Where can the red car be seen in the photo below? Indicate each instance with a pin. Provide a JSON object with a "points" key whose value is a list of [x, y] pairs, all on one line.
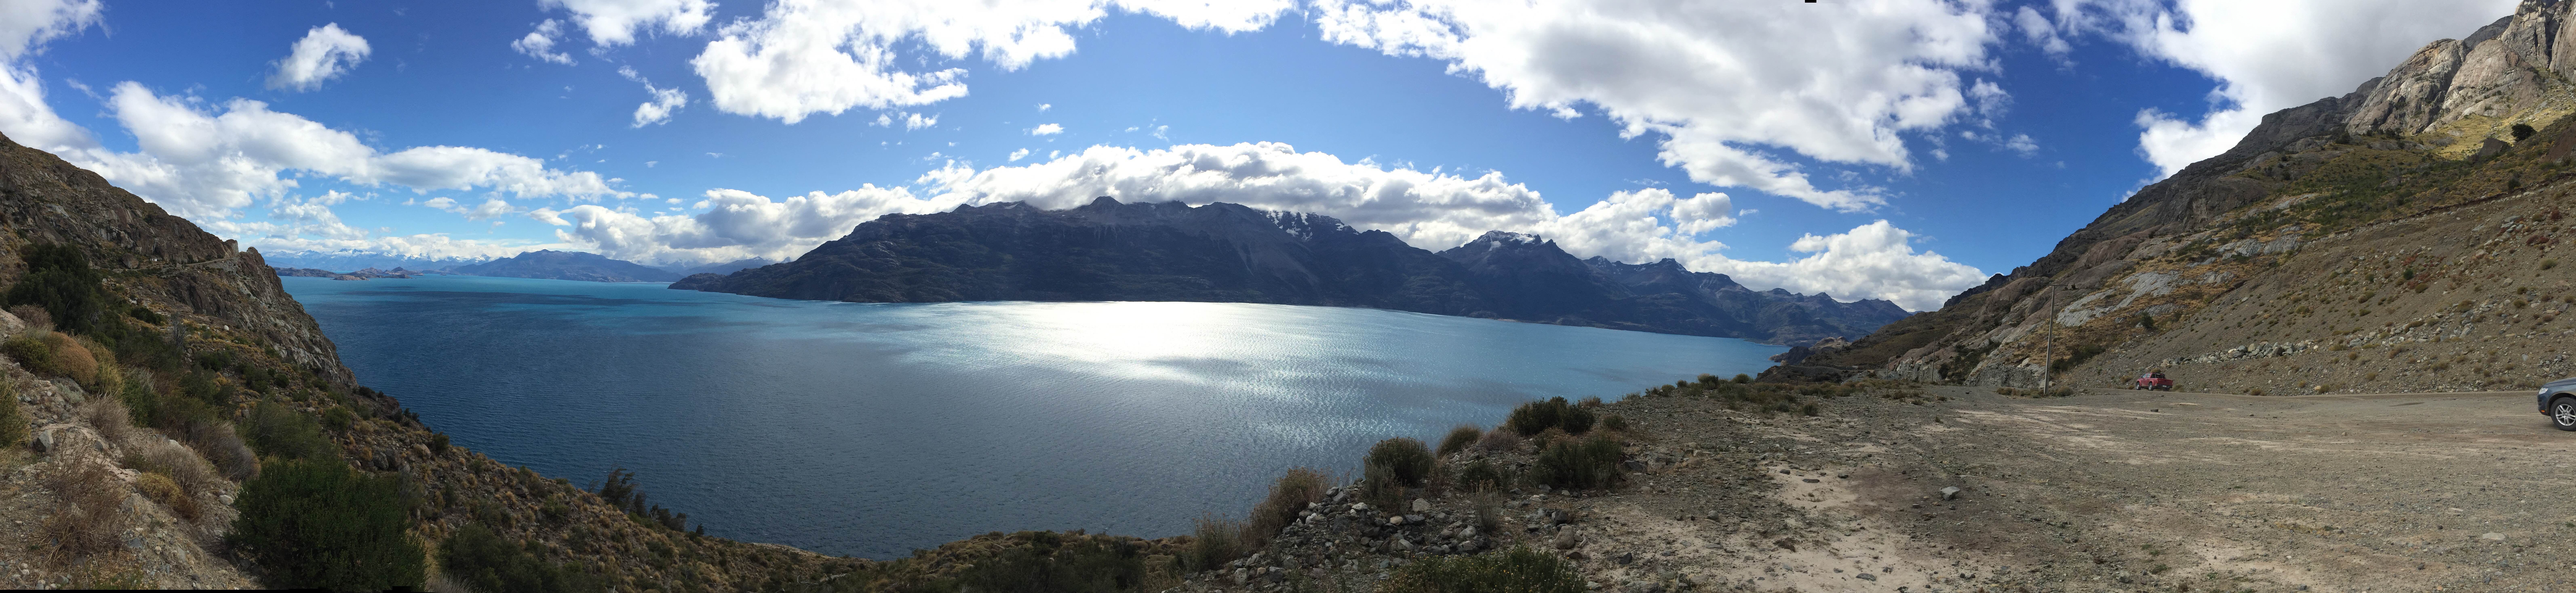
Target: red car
{"points": [[2154, 381]]}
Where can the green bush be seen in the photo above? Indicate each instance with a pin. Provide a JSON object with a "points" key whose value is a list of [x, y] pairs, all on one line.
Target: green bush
{"points": [[1518, 570], [1579, 464], [318, 523], [1613, 422], [275, 430], [1460, 438], [2523, 132], [1741, 378], [339, 419], [31, 351], [60, 279], [1406, 460], [1481, 475], [478, 558], [1538, 416]]}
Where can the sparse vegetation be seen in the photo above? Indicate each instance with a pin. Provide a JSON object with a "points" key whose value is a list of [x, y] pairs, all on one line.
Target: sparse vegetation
{"points": [[1532, 418], [1460, 438], [275, 430], [1518, 570], [1580, 464], [1404, 460], [1294, 490], [1215, 542], [476, 557]]}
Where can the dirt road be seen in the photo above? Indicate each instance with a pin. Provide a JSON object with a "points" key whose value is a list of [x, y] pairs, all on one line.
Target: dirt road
{"points": [[2103, 491]]}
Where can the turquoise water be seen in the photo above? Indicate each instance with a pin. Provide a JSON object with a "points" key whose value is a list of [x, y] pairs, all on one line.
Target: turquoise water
{"points": [[873, 429]]}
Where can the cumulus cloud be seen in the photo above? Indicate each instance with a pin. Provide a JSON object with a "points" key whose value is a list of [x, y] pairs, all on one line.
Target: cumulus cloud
{"points": [[665, 101], [540, 44], [2261, 64], [1016, 155], [324, 53], [1046, 129], [1875, 260], [1716, 80], [734, 225], [26, 25], [615, 22], [803, 57], [910, 121]]}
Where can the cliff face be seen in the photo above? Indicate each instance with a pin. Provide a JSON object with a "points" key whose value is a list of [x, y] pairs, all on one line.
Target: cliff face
{"points": [[1229, 253], [2408, 180]]}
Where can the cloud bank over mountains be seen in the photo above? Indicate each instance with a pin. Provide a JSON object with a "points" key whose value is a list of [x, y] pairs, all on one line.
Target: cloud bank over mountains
{"points": [[1802, 101]]}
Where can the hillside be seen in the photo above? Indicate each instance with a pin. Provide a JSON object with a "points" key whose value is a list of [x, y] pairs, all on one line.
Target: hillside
{"points": [[2401, 237], [567, 265], [1108, 251]]}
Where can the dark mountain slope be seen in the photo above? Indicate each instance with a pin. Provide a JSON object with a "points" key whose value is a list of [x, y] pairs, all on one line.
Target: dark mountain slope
{"points": [[567, 265], [1108, 251]]}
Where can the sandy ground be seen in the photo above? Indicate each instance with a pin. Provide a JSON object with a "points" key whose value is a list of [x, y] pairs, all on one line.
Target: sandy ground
{"points": [[2104, 491]]}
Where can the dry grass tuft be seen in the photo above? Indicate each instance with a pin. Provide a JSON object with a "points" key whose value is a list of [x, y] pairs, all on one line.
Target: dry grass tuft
{"points": [[162, 489], [1459, 439], [1499, 441], [1294, 490], [108, 416], [88, 519]]}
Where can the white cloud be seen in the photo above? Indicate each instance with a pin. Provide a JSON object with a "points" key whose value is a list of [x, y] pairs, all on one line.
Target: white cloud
{"points": [[540, 44], [735, 224], [1046, 129], [25, 25], [664, 103], [1016, 155], [915, 121], [2267, 56], [1042, 107], [803, 57], [2022, 143], [615, 22], [1875, 260], [489, 209], [1726, 84], [324, 53]]}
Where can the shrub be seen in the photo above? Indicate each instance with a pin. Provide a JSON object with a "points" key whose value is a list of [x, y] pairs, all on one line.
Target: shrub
{"points": [[1595, 401], [476, 557], [72, 360], [275, 430], [1499, 440], [1614, 422], [1459, 439], [1215, 542], [1579, 464], [108, 417], [60, 279], [1294, 490], [183, 466], [318, 523], [31, 351], [1518, 570], [162, 489], [1481, 475], [1406, 460], [1048, 562], [1741, 378], [2523, 132], [87, 517], [1807, 410], [339, 419], [13, 422], [1531, 418], [38, 321]]}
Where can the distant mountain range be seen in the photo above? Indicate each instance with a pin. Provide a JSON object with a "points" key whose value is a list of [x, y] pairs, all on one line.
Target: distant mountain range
{"points": [[359, 260], [1109, 251], [567, 265], [722, 268]]}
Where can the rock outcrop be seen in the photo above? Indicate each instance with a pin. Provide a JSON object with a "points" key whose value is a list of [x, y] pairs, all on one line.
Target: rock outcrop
{"points": [[1229, 253]]}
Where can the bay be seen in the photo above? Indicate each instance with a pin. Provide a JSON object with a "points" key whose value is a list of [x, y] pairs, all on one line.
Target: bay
{"points": [[874, 429]]}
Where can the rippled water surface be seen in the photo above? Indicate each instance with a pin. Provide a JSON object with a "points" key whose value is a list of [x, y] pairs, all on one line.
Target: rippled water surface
{"points": [[874, 429]]}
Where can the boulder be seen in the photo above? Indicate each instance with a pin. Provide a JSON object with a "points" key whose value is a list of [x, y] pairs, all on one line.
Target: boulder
{"points": [[44, 441], [1421, 506]]}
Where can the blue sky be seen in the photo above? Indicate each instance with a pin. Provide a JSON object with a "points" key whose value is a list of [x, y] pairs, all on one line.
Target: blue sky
{"points": [[1877, 148]]}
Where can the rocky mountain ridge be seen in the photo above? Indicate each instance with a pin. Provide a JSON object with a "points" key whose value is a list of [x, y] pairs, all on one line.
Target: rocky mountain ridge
{"points": [[1223, 252], [2398, 221], [566, 265]]}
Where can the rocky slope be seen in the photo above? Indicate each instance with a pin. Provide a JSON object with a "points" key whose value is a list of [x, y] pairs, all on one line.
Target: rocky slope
{"points": [[2396, 238], [1229, 253], [567, 265]]}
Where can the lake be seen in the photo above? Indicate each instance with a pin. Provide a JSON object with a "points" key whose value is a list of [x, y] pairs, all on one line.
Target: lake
{"points": [[873, 429]]}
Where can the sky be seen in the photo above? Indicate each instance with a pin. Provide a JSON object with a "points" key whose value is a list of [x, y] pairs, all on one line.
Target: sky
{"points": [[1896, 149]]}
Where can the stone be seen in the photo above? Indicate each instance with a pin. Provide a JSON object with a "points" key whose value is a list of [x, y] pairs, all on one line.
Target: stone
{"points": [[2492, 536], [1466, 532], [1950, 493], [1868, 577], [45, 441], [1395, 520], [1421, 506], [1565, 540], [1414, 519]]}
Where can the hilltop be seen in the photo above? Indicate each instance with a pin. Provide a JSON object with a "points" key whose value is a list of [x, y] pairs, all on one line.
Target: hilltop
{"points": [[567, 265], [1220, 252], [2402, 237]]}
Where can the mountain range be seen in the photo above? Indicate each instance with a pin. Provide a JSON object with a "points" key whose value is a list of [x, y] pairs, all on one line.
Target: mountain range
{"points": [[567, 265], [1220, 252]]}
